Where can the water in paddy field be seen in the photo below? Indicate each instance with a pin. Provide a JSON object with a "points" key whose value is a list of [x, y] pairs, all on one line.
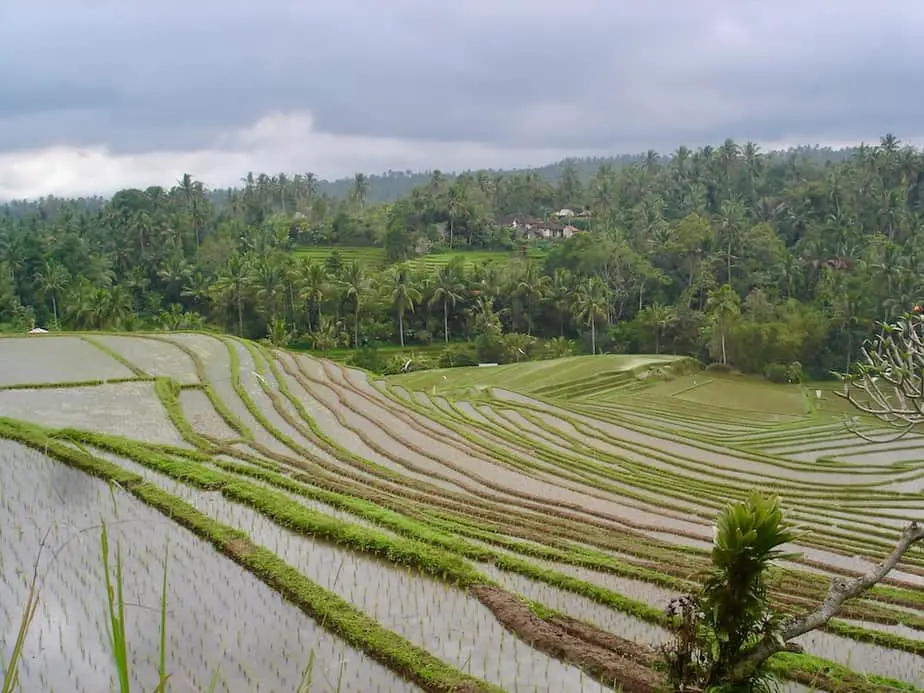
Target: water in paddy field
{"points": [[219, 616]]}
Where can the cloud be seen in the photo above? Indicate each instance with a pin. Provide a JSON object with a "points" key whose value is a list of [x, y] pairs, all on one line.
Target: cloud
{"points": [[278, 142], [143, 89]]}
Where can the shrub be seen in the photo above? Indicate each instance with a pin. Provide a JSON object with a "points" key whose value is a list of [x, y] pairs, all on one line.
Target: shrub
{"points": [[517, 347], [368, 358], [782, 373], [719, 368], [559, 347], [407, 363], [456, 355]]}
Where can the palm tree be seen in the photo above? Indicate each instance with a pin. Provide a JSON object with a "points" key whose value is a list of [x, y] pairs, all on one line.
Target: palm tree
{"points": [[730, 222], [532, 285], [404, 295], [722, 306], [360, 189], [560, 293], [51, 281], [656, 318], [356, 284], [591, 305], [231, 286], [447, 289], [314, 288], [267, 281]]}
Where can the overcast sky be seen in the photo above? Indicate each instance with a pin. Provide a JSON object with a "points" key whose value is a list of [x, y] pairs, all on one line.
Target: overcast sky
{"points": [[96, 95]]}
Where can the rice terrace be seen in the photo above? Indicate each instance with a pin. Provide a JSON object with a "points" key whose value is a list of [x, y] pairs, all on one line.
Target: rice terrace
{"points": [[272, 521]]}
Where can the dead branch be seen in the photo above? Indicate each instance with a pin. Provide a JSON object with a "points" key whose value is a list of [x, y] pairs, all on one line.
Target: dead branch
{"points": [[888, 383], [840, 591]]}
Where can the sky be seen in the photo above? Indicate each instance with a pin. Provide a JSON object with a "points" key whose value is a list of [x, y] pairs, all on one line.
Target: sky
{"points": [[98, 95]]}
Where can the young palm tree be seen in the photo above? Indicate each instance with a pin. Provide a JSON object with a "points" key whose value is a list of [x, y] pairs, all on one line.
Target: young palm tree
{"points": [[731, 614], [447, 289], [591, 305], [51, 280], [404, 295]]}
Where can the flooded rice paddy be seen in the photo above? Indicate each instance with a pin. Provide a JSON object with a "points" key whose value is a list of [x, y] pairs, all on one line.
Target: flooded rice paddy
{"points": [[603, 471]]}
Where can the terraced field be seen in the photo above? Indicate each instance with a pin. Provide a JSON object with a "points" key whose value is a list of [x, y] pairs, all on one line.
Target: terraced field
{"points": [[374, 258], [513, 528]]}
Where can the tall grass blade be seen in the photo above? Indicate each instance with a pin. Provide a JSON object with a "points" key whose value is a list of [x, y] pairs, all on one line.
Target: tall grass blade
{"points": [[305, 685], [162, 668], [115, 602], [11, 668]]}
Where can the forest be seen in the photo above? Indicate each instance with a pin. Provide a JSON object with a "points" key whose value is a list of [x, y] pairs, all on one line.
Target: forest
{"points": [[777, 263]]}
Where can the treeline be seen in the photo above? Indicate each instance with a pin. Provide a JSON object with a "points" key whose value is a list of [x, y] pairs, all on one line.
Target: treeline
{"points": [[773, 263]]}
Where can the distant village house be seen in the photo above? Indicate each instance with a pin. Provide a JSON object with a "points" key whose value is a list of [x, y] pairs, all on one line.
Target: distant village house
{"points": [[539, 229]]}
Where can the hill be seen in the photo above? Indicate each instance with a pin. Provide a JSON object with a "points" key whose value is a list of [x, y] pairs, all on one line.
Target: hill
{"points": [[404, 527]]}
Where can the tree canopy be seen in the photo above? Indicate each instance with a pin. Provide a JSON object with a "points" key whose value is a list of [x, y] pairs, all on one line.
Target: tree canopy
{"points": [[757, 261]]}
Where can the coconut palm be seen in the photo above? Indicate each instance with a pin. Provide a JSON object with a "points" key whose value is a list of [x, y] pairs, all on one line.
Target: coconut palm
{"points": [[447, 290], [356, 285], [657, 318], [722, 306], [560, 291], [230, 287], [404, 294], [51, 280], [315, 286], [591, 305], [531, 285], [267, 282]]}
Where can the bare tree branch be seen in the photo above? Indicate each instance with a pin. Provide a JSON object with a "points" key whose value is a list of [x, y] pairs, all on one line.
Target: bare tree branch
{"points": [[888, 383], [840, 591]]}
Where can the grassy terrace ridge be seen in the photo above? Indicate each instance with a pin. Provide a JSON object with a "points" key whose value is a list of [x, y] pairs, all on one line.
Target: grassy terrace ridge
{"points": [[373, 257], [540, 377], [402, 470]]}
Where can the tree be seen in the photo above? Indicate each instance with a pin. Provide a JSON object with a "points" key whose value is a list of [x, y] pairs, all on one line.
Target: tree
{"points": [[590, 306], [560, 290], [356, 285], [656, 318], [315, 283], [404, 295], [725, 632], [888, 381], [722, 307], [731, 612], [230, 286], [531, 285], [447, 290], [51, 280]]}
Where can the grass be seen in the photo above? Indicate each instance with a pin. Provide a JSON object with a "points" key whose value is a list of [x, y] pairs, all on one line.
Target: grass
{"points": [[373, 258], [595, 471], [550, 378]]}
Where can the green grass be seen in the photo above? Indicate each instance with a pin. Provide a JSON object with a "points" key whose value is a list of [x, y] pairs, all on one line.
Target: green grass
{"points": [[373, 258], [548, 378], [369, 257]]}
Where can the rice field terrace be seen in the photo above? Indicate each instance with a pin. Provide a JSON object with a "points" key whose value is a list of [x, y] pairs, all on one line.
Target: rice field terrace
{"points": [[374, 258], [515, 528]]}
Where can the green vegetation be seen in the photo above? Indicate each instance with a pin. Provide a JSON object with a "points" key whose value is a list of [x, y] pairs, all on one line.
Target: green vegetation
{"points": [[770, 264], [433, 518]]}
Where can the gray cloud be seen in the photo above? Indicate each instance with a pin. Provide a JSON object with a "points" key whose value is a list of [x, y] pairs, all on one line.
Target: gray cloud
{"points": [[138, 77]]}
